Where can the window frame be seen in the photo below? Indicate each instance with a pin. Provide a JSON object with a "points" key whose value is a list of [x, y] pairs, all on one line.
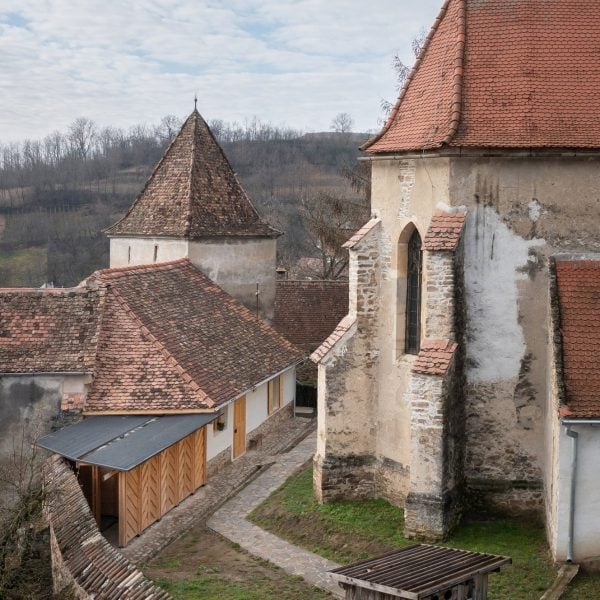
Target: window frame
{"points": [[271, 408]]}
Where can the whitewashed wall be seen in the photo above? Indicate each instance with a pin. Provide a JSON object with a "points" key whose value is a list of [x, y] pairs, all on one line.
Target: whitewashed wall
{"points": [[587, 495], [256, 413], [140, 251]]}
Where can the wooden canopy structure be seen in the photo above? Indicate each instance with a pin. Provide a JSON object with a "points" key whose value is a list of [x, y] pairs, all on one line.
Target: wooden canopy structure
{"points": [[133, 469], [420, 572]]}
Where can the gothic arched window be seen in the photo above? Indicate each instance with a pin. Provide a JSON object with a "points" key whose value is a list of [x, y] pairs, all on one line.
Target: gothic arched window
{"points": [[412, 338]]}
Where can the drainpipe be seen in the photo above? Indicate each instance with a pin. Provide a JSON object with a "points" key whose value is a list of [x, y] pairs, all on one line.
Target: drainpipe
{"points": [[574, 436]]}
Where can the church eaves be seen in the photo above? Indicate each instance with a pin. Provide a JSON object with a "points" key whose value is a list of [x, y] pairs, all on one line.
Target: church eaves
{"points": [[501, 74], [193, 193]]}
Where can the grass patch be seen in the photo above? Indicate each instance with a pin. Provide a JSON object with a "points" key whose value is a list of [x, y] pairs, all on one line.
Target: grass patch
{"points": [[23, 267], [585, 585], [352, 530], [210, 584]]}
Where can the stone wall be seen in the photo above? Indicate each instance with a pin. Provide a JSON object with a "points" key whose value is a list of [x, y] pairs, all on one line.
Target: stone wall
{"points": [[30, 406], [343, 465]]}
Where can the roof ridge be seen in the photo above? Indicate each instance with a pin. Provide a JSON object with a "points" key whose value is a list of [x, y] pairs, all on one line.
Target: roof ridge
{"points": [[388, 123], [149, 180], [169, 358], [188, 219], [457, 78], [114, 272]]}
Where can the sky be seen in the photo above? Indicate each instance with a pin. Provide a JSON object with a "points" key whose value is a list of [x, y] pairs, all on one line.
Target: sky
{"points": [[124, 62]]}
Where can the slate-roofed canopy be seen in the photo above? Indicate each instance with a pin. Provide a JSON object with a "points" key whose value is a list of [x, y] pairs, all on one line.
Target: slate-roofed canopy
{"points": [[193, 193]]}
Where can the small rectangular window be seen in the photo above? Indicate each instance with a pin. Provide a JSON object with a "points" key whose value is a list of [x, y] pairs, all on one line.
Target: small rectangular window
{"points": [[129, 255], [220, 423], [274, 394], [155, 252]]}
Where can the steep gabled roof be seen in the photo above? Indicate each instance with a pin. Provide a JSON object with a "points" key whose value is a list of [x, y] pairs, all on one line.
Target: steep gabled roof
{"points": [[172, 339], [502, 73], [193, 193], [578, 283], [49, 330]]}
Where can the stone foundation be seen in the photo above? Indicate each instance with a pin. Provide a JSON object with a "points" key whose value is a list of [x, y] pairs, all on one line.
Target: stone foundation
{"points": [[510, 497], [430, 517], [343, 478]]}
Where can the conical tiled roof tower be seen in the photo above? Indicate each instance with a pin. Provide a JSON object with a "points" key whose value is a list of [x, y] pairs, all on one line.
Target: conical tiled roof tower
{"points": [[193, 206], [193, 193]]}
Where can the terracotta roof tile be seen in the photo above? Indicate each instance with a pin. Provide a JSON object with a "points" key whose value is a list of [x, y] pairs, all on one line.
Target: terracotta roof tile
{"points": [[502, 73], [361, 233], [49, 330], [193, 193], [435, 357], [173, 339], [327, 346], [444, 231], [579, 302], [307, 312], [95, 565]]}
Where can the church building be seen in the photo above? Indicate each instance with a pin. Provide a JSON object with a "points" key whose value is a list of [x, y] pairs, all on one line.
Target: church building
{"points": [[468, 361]]}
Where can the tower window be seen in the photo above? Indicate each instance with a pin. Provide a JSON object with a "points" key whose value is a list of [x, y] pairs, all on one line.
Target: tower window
{"points": [[128, 254], [413, 294], [155, 252]]}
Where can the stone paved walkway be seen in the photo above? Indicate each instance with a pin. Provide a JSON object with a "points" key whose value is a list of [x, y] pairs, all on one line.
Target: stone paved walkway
{"points": [[219, 489], [230, 521]]}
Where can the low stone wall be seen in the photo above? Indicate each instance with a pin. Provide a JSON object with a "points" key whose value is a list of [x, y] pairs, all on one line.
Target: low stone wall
{"points": [[83, 562]]}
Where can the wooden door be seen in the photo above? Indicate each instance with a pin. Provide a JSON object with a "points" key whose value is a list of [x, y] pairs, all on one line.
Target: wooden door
{"points": [[169, 478], [239, 427], [185, 459], [150, 491]]}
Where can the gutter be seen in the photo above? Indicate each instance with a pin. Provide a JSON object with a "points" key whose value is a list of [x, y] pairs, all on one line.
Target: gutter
{"points": [[574, 435], [44, 373]]}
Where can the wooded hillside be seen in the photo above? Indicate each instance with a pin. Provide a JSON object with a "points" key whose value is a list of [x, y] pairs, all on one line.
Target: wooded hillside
{"points": [[59, 193]]}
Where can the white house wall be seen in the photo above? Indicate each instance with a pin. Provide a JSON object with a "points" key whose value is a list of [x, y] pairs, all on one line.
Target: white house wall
{"points": [[587, 495], [256, 413]]}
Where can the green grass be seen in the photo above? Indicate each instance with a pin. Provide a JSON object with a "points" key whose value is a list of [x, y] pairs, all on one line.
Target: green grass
{"points": [[585, 585], [25, 267], [208, 584], [351, 530]]}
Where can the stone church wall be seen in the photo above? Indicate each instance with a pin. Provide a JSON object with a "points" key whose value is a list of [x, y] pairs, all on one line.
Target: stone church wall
{"points": [[521, 211]]}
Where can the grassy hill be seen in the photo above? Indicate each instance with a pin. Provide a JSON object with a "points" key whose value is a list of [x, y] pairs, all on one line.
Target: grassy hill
{"points": [[53, 207]]}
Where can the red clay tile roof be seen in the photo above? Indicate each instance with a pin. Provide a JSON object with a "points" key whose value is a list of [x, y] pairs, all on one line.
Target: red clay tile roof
{"points": [[307, 312], [435, 357], [50, 330], [361, 233], [579, 304], [327, 346], [502, 73], [444, 231], [95, 565], [193, 193], [171, 339]]}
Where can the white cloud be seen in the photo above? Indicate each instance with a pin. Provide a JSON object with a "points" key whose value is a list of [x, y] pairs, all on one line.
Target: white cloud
{"points": [[122, 62]]}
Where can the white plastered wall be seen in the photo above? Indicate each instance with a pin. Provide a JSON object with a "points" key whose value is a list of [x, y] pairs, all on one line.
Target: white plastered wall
{"points": [[586, 544], [256, 413], [140, 251]]}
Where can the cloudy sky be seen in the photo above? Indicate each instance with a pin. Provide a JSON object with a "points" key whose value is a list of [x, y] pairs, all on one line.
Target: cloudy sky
{"points": [[121, 62]]}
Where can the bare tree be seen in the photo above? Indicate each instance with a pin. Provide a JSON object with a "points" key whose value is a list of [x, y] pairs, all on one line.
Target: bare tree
{"points": [[342, 123], [168, 128], [330, 220], [82, 135], [402, 71]]}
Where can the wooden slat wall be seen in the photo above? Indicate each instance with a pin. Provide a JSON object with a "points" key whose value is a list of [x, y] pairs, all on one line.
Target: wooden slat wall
{"points": [[169, 484], [199, 438], [153, 488]]}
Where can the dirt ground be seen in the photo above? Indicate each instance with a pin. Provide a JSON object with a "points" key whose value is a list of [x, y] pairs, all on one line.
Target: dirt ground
{"points": [[204, 562]]}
